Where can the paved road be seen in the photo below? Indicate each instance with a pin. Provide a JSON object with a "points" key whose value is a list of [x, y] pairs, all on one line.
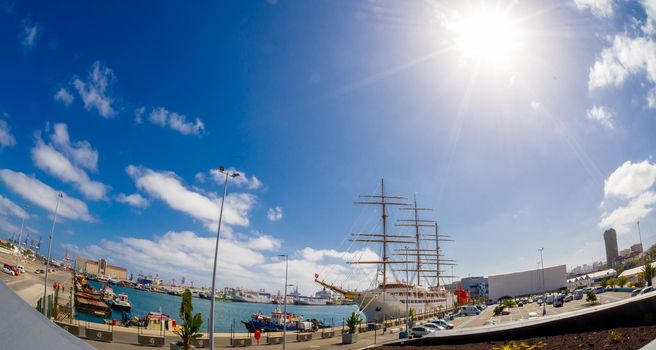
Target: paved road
{"points": [[521, 313], [29, 286]]}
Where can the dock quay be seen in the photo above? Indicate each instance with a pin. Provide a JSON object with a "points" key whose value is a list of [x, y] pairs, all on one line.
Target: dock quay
{"points": [[104, 336]]}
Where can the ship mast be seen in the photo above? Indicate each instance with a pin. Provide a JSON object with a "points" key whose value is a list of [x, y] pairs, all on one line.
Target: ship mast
{"points": [[383, 200], [425, 256], [417, 223]]}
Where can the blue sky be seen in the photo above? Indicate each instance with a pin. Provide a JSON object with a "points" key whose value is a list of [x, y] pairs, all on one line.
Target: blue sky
{"points": [[524, 125]]}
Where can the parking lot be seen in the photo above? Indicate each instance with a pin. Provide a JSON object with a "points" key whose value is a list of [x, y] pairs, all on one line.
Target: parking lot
{"points": [[521, 313]]}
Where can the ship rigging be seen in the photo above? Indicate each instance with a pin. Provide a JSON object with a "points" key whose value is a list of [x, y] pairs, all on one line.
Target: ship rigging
{"points": [[422, 250]]}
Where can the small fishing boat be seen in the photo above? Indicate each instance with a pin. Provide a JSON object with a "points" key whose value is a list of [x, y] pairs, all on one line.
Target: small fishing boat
{"points": [[277, 321], [107, 294], [121, 303]]}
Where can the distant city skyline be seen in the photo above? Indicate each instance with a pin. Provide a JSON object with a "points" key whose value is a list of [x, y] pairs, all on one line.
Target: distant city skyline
{"points": [[524, 125]]}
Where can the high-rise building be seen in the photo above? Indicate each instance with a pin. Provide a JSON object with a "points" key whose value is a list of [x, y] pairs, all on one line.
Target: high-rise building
{"points": [[610, 238]]}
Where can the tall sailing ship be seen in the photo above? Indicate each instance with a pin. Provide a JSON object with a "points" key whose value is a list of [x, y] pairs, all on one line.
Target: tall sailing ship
{"points": [[416, 256]]}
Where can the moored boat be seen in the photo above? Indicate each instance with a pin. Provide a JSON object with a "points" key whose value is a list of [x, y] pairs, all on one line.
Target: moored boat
{"points": [[121, 303]]}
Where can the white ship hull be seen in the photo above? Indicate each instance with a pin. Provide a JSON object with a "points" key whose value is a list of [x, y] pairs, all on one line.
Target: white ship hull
{"points": [[392, 303]]}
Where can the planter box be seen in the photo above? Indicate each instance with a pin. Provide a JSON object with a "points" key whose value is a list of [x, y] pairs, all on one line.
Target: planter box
{"points": [[201, 342], [240, 342], [150, 340], [274, 340], [349, 338], [175, 346], [325, 335], [75, 330], [304, 337], [99, 335]]}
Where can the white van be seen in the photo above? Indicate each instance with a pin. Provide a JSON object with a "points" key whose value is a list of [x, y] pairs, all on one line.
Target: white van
{"points": [[21, 268], [469, 310]]}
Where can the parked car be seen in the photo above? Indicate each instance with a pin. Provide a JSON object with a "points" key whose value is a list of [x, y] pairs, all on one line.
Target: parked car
{"points": [[532, 315], [636, 292], [469, 310], [559, 301], [8, 271], [20, 268], [646, 290], [578, 294], [520, 303], [12, 268], [550, 299], [39, 271], [418, 332], [540, 302], [443, 323], [568, 298], [505, 311], [599, 290], [434, 326]]}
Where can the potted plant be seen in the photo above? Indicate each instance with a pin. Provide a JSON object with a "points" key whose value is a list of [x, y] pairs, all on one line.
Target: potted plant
{"points": [[411, 314], [352, 322], [189, 330]]}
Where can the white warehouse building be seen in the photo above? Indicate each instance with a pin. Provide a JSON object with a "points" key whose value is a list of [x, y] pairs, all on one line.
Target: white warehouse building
{"points": [[526, 282]]}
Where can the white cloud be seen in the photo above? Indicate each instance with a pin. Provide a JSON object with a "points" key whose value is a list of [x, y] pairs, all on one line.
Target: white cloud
{"points": [[178, 122], [64, 96], [243, 180], [624, 217], [241, 262], [49, 159], [168, 187], [274, 214], [649, 27], [138, 114], [30, 34], [651, 98], [631, 185], [95, 91], [135, 200], [6, 138], [44, 196], [627, 56], [80, 152], [602, 115], [7, 207], [599, 8], [630, 180], [264, 242], [535, 105]]}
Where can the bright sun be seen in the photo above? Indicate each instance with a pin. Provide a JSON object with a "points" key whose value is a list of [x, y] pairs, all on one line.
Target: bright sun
{"points": [[486, 37]]}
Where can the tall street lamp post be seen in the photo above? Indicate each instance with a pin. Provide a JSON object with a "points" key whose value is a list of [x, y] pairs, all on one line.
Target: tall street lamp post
{"points": [[640, 236], [45, 279], [216, 252], [284, 311], [544, 292]]}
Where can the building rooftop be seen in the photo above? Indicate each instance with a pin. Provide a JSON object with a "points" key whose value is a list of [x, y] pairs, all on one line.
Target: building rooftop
{"points": [[634, 271]]}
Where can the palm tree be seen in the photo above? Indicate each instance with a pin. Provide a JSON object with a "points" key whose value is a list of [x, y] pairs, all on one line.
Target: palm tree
{"points": [[648, 272], [191, 327], [622, 281]]}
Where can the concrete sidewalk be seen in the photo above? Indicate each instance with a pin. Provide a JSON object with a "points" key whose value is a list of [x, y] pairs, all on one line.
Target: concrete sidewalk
{"points": [[335, 343]]}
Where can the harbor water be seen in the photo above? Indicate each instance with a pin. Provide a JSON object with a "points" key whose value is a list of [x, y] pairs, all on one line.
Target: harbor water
{"points": [[227, 313]]}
